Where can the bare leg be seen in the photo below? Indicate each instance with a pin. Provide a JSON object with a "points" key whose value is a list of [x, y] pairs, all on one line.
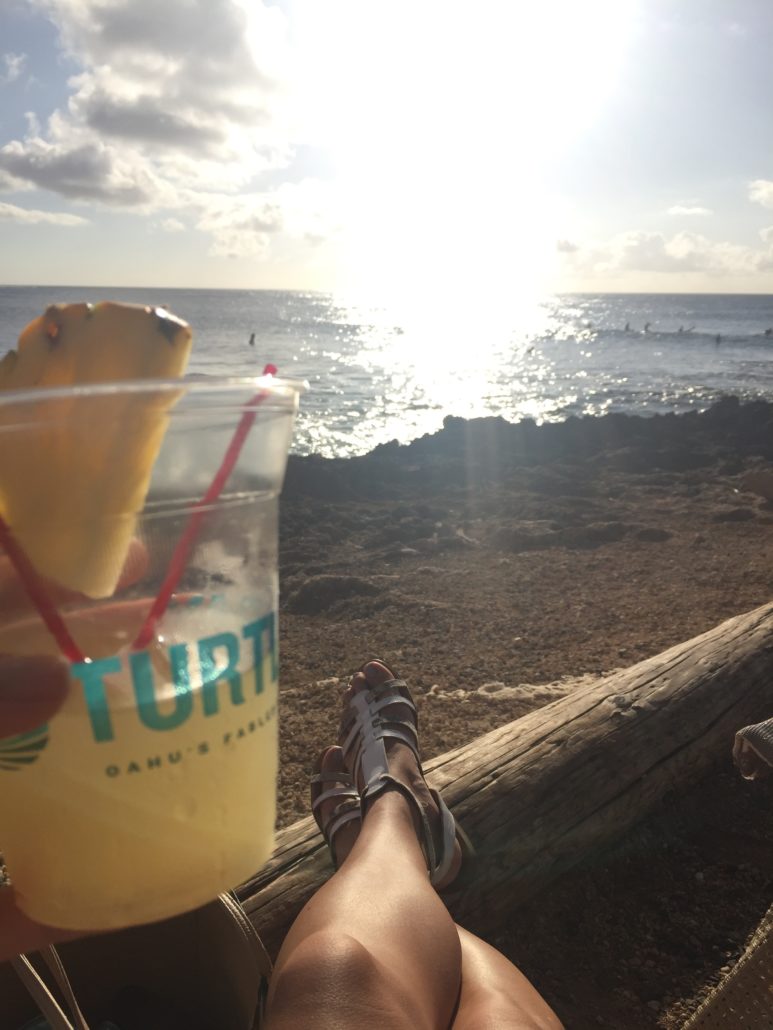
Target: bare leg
{"points": [[375, 945], [495, 994]]}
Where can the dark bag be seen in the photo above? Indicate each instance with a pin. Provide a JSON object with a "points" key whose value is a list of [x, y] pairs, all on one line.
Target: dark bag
{"points": [[204, 970]]}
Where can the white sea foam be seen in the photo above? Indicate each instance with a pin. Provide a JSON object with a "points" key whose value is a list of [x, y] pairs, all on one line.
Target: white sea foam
{"points": [[497, 692]]}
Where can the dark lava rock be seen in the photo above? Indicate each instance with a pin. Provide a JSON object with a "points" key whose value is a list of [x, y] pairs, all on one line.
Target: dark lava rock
{"points": [[594, 535], [526, 536], [538, 536], [735, 515], [653, 534], [318, 593]]}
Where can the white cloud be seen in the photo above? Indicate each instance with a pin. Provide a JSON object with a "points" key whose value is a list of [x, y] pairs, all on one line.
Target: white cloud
{"points": [[85, 170], [761, 192], [638, 251], [27, 216], [240, 226], [179, 104], [196, 76], [14, 65], [10, 185], [172, 225], [689, 210]]}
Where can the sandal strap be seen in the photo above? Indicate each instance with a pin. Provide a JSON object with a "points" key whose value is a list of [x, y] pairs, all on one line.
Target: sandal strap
{"points": [[383, 694], [364, 731], [348, 808], [333, 777], [346, 812], [342, 814], [448, 824], [344, 793], [375, 704], [369, 751]]}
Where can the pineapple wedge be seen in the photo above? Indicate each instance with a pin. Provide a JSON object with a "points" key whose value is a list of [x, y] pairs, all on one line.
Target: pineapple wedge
{"points": [[74, 471]]}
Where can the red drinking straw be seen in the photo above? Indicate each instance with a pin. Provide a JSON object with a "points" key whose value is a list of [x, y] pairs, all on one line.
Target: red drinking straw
{"points": [[37, 592], [182, 551], [39, 596]]}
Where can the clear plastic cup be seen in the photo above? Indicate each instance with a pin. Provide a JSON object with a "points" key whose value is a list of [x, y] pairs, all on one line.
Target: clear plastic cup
{"points": [[153, 787]]}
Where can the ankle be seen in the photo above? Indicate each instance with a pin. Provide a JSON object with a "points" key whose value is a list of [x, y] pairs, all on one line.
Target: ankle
{"points": [[391, 805]]}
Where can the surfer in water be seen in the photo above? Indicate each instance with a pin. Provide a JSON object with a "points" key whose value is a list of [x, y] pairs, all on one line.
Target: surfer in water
{"points": [[252, 339]]}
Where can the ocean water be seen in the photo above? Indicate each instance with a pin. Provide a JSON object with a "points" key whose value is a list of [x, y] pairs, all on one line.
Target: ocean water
{"points": [[378, 373]]}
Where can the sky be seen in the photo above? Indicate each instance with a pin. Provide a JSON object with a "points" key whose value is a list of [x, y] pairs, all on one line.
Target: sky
{"points": [[400, 149]]}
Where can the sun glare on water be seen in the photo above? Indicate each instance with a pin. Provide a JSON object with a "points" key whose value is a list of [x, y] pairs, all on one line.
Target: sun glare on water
{"points": [[442, 120]]}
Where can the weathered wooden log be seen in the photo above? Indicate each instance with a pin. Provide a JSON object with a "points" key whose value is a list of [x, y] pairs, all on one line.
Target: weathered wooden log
{"points": [[540, 794]]}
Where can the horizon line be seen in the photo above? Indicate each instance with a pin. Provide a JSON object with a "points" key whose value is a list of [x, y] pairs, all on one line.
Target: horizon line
{"points": [[341, 292]]}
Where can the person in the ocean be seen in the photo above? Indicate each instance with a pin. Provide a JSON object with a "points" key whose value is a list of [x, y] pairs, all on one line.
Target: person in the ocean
{"points": [[252, 339], [627, 327], [647, 326], [718, 339]]}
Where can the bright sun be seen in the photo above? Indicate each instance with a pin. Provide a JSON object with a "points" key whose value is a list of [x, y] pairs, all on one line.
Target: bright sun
{"points": [[441, 119]]}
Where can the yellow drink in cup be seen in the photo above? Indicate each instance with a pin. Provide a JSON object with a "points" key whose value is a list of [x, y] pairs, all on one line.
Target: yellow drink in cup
{"points": [[154, 787]]}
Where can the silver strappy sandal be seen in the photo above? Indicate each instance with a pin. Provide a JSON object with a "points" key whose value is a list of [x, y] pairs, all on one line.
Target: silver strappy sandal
{"points": [[344, 790], [362, 734]]}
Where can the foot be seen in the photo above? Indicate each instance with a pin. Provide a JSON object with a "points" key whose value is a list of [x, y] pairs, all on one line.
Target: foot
{"points": [[339, 828], [403, 767]]}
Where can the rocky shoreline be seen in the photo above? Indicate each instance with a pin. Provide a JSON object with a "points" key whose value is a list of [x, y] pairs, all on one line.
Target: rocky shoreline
{"points": [[494, 564]]}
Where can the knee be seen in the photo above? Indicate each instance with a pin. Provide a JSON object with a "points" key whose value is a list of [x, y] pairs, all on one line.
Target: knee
{"points": [[326, 954], [326, 972]]}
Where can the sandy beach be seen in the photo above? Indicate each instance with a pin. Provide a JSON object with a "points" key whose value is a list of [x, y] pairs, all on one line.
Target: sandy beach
{"points": [[496, 566]]}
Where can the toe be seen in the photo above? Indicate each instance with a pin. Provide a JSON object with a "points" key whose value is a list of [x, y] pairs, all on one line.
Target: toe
{"points": [[370, 675], [357, 682], [375, 672]]}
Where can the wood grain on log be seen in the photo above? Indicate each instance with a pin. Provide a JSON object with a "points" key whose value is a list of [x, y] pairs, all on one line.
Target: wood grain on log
{"points": [[542, 793]]}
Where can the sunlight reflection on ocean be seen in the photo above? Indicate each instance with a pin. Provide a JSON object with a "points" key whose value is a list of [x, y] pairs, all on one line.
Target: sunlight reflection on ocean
{"points": [[379, 374]]}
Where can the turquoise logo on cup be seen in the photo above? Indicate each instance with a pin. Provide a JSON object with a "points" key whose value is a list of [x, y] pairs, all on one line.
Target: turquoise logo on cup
{"points": [[23, 749], [213, 660]]}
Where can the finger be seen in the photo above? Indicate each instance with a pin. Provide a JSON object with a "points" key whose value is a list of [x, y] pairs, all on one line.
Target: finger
{"points": [[18, 934], [31, 691], [14, 599]]}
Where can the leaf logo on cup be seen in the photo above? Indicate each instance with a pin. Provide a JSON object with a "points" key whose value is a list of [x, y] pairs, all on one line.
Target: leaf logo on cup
{"points": [[24, 749]]}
